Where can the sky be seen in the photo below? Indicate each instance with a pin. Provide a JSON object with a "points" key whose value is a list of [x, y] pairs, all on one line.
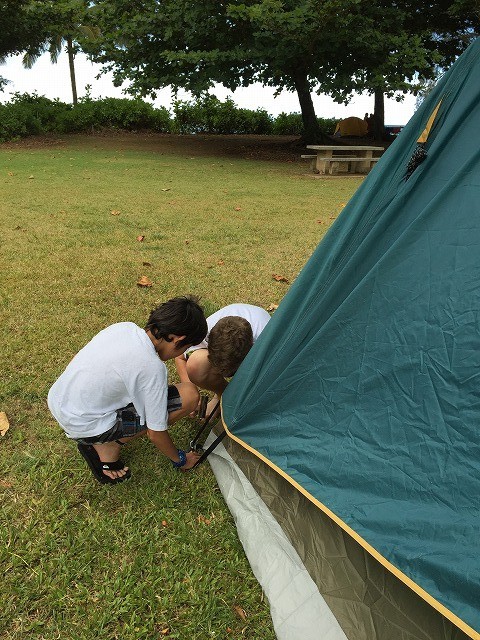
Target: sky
{"points": [[53, 81]]}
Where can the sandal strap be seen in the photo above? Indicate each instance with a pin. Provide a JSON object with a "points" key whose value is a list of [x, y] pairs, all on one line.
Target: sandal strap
{"points": [[112, 466]]}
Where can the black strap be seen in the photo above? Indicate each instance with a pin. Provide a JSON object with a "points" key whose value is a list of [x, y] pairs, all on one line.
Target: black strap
{"points": [[208, 451], [203, 427]]}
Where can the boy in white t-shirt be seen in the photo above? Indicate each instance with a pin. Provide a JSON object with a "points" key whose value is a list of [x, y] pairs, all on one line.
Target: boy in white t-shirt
{"points": [[116, 388], [231, 333]]}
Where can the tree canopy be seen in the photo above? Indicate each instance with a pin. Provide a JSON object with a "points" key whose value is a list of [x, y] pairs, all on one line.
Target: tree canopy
{"points": [[328, 46], [334, 47], [19, 29]]}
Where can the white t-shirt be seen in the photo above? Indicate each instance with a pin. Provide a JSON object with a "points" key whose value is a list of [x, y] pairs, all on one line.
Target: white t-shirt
{"points": [[118, 366], [256, 316]]}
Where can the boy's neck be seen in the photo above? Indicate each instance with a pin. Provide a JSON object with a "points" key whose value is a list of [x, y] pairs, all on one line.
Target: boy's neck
{"points": [[155, 341]]}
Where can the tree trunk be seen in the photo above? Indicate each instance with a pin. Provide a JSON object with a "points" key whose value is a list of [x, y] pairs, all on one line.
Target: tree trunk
{"points": [[312, 133], [71, 56], [379, 115]]}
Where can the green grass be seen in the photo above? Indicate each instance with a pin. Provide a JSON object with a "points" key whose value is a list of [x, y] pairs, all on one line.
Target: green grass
{"points": [[80, 560]]}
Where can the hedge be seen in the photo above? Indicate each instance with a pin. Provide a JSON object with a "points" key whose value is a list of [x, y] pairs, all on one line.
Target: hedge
{"points": [[31, 114]]}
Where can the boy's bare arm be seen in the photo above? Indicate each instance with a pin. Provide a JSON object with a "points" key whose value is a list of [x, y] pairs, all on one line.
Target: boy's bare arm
{"points": [[164, 443], [181, 366]]}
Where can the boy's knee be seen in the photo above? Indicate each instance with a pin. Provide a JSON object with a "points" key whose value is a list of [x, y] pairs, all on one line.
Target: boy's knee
{"points": [[191, 368], [190, 397], [197, 369]]}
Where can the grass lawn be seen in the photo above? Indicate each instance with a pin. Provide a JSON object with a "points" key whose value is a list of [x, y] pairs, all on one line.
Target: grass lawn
{"points": [[157, 556]]}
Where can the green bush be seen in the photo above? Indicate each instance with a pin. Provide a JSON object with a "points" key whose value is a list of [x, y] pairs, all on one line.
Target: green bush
{"points": [[291, 124], [207, 114], [16, 123], [31, 114], [116, 113], [189, 117], [197, 116], [288, 124], [161, 120], [327, 125], [28, 115], [122, 113], [259, 122], [42, 109]]}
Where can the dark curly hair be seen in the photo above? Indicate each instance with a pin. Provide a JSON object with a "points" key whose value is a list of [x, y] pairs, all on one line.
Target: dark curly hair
{"points": [[181, 316], [229, 342]]}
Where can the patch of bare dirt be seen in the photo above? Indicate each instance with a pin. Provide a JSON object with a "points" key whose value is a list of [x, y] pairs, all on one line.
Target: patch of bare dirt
{"points": [[270, 148]]}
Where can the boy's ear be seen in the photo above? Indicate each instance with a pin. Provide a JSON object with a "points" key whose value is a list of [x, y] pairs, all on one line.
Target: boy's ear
{"points": [[176, 339]]}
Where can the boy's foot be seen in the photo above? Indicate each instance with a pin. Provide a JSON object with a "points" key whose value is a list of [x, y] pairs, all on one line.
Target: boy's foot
{"points": [[111, 451], [104, 472]]}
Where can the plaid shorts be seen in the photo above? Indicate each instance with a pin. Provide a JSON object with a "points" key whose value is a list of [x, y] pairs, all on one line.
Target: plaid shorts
{"points": [[128, 424]]}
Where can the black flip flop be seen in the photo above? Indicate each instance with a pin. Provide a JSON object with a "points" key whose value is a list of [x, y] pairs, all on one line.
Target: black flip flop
{"points": [[97, 466]]}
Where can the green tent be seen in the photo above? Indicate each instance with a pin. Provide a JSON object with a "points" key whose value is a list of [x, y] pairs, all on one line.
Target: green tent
{"points": [[356, 415]]}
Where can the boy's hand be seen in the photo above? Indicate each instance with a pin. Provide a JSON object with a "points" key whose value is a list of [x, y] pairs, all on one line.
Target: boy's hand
{"points": [[192, 459]]}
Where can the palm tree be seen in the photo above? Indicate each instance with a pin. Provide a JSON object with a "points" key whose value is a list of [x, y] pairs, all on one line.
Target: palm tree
{"points": [[66, 31]]}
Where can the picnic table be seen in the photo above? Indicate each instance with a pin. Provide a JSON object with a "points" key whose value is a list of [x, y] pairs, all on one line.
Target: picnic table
{"points": [[343, 159]]}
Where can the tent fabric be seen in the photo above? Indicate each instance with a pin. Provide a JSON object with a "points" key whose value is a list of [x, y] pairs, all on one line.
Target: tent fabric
{"points": [[352, 126], [368, 602], [363, 390], [297, 608]]}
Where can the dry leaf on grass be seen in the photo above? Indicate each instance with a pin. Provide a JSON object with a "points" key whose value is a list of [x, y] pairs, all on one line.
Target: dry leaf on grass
{"points": [[272, 307], [115, 212], [140, 238], [168, 189], [4, 424], [165, 631], [30, 177], [220, 262], [144, 282], [238, 208], [10, 173], [278, 278], [240, 612]]}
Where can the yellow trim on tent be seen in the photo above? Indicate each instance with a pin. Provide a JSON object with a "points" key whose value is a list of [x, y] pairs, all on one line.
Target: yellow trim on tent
{"points": [[426, 131], [371, 550]]}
